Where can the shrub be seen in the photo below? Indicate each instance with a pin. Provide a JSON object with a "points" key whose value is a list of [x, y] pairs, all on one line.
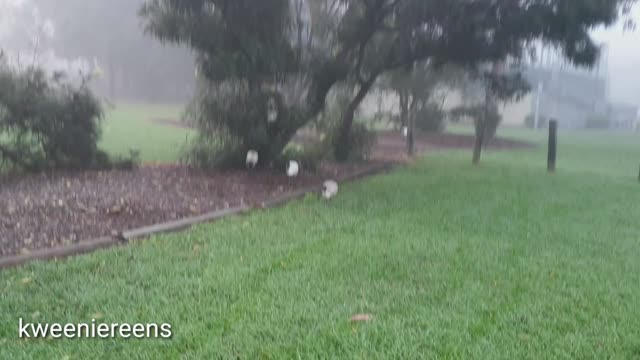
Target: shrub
{"points": [[430, 118], [309, 156], [361, 141], [232, 119], [329, 122], [478, 113], [48, 123]]}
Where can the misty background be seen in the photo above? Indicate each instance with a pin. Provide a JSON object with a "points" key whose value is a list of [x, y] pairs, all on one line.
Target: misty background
{"points": [[106, 37]]}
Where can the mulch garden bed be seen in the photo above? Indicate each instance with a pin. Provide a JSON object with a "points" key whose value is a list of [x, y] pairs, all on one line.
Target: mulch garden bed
{"points": [[48, 210], [51, 210]]}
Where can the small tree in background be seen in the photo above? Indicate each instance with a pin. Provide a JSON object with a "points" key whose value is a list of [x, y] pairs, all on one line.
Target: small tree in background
{"points": [[47, 122], [301, 49], [498, 86], [422, 92]]}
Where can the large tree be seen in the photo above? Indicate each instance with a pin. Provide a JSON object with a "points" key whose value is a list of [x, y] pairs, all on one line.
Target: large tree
{"points": [[259, 44]]}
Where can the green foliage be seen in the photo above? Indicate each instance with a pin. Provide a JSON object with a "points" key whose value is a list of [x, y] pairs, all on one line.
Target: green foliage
{"points": [[236, 118], [48, 123], [483, 116], [208, 152], [308, 156], [265, 47], [328, 125], [361, 140], [247, 61], [430, 118]]}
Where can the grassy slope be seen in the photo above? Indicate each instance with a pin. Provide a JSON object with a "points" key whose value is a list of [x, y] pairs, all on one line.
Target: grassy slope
{"points": [[128, 126], [455, 262]]}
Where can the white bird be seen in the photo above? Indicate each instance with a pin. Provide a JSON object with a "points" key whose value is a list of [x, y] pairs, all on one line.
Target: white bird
{"points": [[330, 189], [252, 159], [405, 131], [272, 111], [293, 169]]}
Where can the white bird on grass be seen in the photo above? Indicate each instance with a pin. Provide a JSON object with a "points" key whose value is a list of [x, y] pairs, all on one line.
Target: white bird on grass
{"points": [[252, 159], [293, 169], [330, 189]]}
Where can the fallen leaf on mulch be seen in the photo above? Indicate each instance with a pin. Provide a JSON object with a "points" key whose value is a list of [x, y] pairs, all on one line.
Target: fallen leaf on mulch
{"points": [[362, 318]]}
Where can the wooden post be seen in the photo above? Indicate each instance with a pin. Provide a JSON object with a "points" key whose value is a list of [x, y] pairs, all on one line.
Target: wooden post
{"points": [[553, 145]]}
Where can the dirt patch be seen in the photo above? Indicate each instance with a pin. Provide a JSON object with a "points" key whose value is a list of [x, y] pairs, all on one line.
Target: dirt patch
{"points": [[391, 145], [42, 211]]}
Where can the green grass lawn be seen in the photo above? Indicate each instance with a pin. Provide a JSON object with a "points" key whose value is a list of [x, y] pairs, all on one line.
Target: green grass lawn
{"points": [[128, 127], [497, 262]]}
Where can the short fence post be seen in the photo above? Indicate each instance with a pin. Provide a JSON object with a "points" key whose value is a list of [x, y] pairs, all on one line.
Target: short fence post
{"points": [[553, 145]]}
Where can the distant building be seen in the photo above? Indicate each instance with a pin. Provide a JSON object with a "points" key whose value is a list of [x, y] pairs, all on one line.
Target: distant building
{"points": [[572, 98]]}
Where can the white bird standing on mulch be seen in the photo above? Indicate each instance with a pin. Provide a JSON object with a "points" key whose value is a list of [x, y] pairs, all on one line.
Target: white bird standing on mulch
{"points": [[252, 159], [272, 111], [405, 131], [330, 189], [293, 169]]}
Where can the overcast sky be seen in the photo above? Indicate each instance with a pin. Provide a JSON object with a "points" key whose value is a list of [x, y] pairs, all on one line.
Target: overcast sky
{"points": [[624, 61]]}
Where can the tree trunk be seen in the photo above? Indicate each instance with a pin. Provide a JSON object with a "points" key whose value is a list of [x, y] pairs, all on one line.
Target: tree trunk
{"points": [[481, 129], [404, 108], [479, 143], [411, 148], [343, 141], [481, 124]]}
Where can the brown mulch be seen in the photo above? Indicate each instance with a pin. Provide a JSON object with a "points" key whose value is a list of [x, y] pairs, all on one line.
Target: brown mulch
{"points": [[49, 210], [41, 211]]}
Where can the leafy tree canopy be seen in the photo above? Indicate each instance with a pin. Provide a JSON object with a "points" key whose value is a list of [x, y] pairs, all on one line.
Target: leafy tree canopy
{"points": [[263, 43]]}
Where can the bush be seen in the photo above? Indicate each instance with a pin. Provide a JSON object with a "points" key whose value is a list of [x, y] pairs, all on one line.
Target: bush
{"points": [[430, 118], [309, 157], [232, 119], [48, 123], [361, 141], [478, 113], [329, 122], [209, 152]]}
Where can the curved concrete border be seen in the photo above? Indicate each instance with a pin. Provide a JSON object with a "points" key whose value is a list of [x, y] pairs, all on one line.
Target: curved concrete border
{"points": [[174, 226]]}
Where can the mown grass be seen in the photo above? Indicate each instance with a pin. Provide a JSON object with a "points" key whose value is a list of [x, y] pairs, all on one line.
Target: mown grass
{"points": [[130, 127], [454, 262]]}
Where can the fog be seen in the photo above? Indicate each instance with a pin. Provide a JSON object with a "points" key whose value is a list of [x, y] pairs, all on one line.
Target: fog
{"points": [[102, 38], [83, 35], [624, 61]]}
